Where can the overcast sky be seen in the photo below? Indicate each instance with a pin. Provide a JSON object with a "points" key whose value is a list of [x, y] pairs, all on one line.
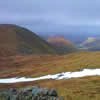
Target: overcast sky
{"points": [[52, 15]]}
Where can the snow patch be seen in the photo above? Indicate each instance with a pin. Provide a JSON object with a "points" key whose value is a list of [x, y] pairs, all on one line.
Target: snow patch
{"points": [[59, 76]]}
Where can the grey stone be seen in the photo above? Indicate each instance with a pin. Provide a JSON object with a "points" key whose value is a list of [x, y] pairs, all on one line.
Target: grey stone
{"points": [[53, 92]]}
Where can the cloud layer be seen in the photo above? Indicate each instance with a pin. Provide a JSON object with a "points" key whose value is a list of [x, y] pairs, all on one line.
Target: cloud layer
{"points": [[47, 15]]}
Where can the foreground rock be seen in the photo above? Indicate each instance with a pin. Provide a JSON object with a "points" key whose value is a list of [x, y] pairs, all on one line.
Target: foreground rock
{"points": [[33, 93]]}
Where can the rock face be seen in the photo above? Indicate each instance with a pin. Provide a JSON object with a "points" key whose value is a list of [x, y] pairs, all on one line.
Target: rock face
{"points": [[33, 93]]}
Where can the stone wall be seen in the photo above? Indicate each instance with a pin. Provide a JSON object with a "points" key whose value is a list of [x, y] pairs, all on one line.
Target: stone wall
{"points": [[32, 93]]}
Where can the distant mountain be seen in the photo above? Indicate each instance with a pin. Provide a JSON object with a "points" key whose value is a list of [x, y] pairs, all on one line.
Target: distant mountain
{"points": [[61, 44], [92, 44], [75, 37], [18, 40]]}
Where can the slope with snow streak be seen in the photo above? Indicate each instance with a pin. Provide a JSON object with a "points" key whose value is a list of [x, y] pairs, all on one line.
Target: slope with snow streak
{"points": [[64, 75]]}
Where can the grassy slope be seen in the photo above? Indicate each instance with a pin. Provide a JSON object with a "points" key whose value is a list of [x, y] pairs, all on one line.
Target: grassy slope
{"points": [[87, 88], [49, 64], [18, 40], [33, 42]]}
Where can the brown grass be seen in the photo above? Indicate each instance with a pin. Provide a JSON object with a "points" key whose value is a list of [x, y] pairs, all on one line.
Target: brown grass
{"points": [[87, 88], [37, 65]]}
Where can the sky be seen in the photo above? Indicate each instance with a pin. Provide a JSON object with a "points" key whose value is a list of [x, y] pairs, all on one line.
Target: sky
{"points": [[52, 15]]}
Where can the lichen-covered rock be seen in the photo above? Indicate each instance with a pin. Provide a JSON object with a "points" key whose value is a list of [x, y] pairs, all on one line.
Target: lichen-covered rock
{"points": [[32, 93]]}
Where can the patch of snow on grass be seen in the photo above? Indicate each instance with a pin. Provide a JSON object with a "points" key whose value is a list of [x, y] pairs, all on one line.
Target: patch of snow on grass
{"points": [[59, 76]]}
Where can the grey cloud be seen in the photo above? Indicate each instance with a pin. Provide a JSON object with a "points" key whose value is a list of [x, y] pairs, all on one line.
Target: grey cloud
{"points": [[46, 15]]}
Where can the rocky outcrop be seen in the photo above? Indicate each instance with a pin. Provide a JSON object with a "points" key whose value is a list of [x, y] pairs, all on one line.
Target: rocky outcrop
{"points": [[32, 93]]}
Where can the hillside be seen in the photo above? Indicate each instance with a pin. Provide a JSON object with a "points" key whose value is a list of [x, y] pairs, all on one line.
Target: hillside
{"points": [[36, 65], [87, 88], [62, 45], [18, 40]]}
